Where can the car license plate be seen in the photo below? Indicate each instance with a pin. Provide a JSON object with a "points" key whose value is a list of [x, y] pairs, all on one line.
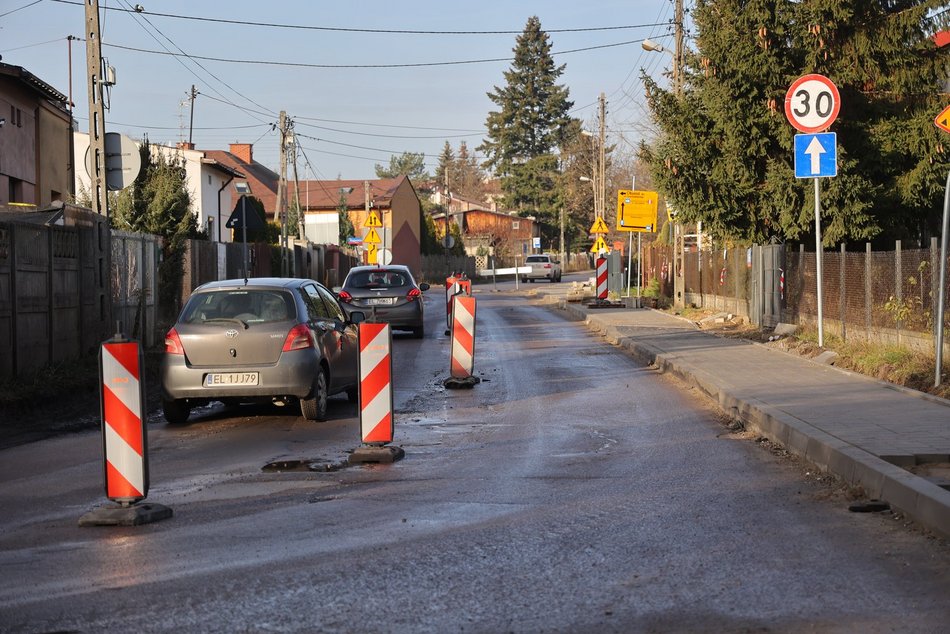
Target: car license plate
{"points": [[379, 301], [216, 379]]}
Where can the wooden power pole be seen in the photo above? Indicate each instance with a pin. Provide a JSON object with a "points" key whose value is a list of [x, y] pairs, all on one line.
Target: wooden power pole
{"points": [[97, 117], [282, 196]]}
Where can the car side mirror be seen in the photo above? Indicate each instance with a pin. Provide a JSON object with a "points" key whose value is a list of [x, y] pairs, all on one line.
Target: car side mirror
{"points": [[357, 317], [336, 290], [424, 287]]}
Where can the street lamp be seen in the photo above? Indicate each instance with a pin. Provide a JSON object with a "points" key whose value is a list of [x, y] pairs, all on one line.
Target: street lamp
{"points": [[650, 45]]}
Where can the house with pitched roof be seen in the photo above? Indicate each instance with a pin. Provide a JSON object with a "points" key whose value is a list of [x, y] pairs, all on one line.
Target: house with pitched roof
{"points": [[208, 182], [393, 199], [35, 131]]}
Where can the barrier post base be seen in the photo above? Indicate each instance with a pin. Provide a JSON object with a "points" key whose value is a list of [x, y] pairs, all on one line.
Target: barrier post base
{"points": [[133, 515], [465, 383], [376, 455]]}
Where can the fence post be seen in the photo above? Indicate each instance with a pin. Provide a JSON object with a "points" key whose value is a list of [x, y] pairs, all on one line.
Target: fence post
{"points": [[841, 294], [934, 280], [867, 290], [898, 286]]}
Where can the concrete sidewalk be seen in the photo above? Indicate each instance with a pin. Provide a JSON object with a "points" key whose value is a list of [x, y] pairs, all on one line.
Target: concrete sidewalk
{"points": [[864, 430]]}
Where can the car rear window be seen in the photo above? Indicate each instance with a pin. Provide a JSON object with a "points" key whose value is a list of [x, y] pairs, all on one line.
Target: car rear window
{"points": [[376, 279], [537, 258], [248, 305]]}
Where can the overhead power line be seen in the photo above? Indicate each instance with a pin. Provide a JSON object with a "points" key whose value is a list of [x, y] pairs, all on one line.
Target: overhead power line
{"points": [[305, 27], [309, 65]]}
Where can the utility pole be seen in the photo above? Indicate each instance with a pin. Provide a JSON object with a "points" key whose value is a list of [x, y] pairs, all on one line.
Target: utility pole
{"points": [[679, 285], [366, 201], [191, 122], [282, 196], [602, 190], [97, 122], [301, 234]]}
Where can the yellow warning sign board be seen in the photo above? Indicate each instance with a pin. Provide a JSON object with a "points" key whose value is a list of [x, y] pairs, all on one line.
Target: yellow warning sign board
{"points": [[599, 226], [636, 210], [943, 119], [599, 246], [372, 237], [372, 221], [371, 252]]}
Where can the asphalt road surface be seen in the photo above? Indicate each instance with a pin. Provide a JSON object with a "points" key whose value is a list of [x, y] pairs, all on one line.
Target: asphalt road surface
{"points": [[570, 491]]}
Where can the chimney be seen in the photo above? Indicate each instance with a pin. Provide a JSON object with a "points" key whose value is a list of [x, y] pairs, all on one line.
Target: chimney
{"points": [[243, 151], [185, 145]]}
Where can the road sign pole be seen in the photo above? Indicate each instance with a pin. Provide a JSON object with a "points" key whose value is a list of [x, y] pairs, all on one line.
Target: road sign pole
{"points": [[941, 295], [821, 333], [639, 265], [244, 232]]}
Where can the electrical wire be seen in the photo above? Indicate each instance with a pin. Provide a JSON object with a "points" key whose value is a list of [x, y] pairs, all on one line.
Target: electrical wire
{"points": [[309, 65], [362, 30], [392, 136], [26, 6], [7, 50]]}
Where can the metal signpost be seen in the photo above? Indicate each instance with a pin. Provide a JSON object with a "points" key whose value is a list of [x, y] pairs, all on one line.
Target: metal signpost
{"points": [[811, 105], [943, 122]]}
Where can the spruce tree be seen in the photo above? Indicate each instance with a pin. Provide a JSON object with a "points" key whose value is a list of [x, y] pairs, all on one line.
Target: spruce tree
{"points": [[524, 135], [725, 155]]}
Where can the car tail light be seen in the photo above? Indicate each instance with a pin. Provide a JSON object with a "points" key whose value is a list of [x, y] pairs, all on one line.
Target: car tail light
{"points": [[413, 294], [298, 339], [345, 297], [173, 343]]}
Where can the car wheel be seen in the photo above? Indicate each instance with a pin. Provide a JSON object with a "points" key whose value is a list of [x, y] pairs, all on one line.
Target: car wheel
{"points": [[418, 333], [315, 407], [176, 411], [524, 280]]}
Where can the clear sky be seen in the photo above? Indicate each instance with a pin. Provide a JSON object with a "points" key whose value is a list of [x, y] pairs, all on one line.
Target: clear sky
{"points": [[357, 90]]}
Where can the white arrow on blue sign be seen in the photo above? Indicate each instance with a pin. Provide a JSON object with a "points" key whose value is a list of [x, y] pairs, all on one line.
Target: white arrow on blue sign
{"points": [[816, 155]]}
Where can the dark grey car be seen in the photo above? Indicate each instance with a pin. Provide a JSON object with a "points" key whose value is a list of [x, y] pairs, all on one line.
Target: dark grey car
{"points": [[262, 339], [386, 293]]}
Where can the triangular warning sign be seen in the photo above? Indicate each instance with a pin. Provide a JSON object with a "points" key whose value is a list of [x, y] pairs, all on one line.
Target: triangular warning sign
{"points": [[372, 221], [599, 226], [943, 119], [372, 237], [599, 246]]}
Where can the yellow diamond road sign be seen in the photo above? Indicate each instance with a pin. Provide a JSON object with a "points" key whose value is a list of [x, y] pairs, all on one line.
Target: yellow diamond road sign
{"points": [[372, 221], [599, 246], [372, 237], [600, 226]]}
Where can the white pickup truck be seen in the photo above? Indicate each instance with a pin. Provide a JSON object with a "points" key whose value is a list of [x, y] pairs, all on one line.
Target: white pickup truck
{"points": [[543, 267]]}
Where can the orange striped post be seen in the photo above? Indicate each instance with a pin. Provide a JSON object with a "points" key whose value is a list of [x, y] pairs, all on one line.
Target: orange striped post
{"points": [[376, 393], [123, 433], [601, 278], [463, 344], [124, 438], [376, 396]]}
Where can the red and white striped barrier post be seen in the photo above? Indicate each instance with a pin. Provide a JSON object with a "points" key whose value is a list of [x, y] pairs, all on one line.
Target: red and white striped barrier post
{"points": [[452, 288], [462, 362], [124, 437], [124, 441], [376, 395], [602, 278]]}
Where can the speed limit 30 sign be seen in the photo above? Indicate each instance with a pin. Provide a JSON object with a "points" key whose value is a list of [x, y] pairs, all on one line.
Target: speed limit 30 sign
{"points": [[812, 103]]}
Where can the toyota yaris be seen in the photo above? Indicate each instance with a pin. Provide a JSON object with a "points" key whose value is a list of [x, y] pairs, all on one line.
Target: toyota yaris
{"points": [[261, 339]]}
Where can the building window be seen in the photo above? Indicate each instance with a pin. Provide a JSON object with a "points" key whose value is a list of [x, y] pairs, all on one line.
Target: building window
{"points": [[242, 188], [209, 179], [515, 225]]}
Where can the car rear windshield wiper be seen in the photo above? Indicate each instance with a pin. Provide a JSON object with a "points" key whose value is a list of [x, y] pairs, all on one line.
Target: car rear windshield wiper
{"points": [[229, 320]]}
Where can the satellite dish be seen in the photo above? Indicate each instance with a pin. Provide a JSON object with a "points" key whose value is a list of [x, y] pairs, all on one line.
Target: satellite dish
{"points": [[448, 242]]}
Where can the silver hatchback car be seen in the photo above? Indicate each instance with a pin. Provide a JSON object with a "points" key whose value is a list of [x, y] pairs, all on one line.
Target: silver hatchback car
{"points": [[262, 339]]}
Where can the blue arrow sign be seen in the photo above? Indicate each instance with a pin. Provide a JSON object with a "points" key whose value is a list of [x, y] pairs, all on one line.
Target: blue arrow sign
{"points": [[816, 155]]}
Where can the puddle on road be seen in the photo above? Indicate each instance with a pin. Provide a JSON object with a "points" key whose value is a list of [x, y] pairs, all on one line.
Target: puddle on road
{"points": [[319, 465]]}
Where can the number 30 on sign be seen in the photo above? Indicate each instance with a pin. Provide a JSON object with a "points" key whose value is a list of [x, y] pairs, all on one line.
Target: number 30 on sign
{"points": [[812, 103]]}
